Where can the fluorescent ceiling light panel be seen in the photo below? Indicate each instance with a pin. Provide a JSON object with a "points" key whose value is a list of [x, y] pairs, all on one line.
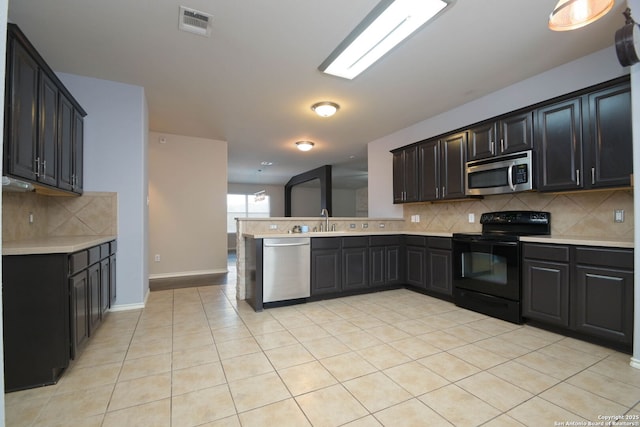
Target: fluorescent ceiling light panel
{"points": [[388, 24]]}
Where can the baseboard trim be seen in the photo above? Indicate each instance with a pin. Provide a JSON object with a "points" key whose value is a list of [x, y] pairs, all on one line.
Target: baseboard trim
{"points": [[127, 307], [187, 273], [635, 363]]}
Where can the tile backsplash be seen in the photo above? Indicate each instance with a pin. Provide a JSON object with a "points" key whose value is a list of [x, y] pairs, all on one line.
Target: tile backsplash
{"points": [[584, 214], [92, 214]]}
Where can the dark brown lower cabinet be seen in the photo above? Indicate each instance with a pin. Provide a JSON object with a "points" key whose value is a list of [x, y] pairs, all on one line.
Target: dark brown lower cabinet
{"points": [[52, 304], [545, 283], [439, 265], [355, 263], [326, 270], [36, 319], [603, 294], [415, 255], [386, 256], [583, 289]]}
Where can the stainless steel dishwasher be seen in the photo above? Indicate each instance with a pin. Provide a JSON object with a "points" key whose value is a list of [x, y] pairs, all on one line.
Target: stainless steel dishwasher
{"points": [[286, 268]]}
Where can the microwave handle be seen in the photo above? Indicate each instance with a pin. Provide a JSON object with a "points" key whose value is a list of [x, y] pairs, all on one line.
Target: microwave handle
{"points": [[510, 174]]}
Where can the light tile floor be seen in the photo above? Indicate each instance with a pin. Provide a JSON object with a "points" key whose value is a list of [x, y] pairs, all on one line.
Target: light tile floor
{"points": [[197, 357]]}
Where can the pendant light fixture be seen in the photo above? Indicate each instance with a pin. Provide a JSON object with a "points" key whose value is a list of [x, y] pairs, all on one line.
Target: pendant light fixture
{"points": [[573, 14]]}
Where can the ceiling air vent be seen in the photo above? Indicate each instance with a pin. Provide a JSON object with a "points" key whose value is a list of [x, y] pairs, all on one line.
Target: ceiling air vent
{"points": [[194, 21]]}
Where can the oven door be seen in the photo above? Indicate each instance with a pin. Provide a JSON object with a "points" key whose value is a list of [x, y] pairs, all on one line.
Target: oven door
{"points": [[487, 266]]}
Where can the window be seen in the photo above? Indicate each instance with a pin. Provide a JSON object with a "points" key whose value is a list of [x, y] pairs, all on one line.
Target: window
{"points": [[245, 206]]}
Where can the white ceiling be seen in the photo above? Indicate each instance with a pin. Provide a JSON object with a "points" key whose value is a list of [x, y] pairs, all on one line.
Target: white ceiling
{"points": [[253, 81]]}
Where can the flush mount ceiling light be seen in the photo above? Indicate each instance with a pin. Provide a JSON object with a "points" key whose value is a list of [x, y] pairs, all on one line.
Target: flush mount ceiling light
{"points": [[573, 14], [325, 108], [304, 145], [390, 22]]}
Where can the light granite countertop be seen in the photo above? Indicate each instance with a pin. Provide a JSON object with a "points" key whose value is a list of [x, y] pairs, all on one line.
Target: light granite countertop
{"points": [[561, 240], [612, 242], [53, 245]]}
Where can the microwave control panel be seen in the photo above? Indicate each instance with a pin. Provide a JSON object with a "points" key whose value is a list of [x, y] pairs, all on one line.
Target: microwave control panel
{"points": [[521, 174]]}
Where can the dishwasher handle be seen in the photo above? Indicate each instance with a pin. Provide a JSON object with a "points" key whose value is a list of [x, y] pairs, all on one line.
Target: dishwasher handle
{"points": [[280, 243]]}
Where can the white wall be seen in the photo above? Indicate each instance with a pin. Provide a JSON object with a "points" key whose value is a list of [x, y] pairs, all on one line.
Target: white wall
{"points": [[115, 159], [595, 68], [187, 205]]}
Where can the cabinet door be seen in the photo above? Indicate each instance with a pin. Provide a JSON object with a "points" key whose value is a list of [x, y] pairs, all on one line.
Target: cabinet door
{"points": [[105, 271], [415, 266], [405, 175], [325, 271], [439, 271], [393, 265], [603, 303], [94, 297], [355, 268], [47, 159], [452, 162], [65, 140], [559, 142], [377, 270], [482, 141], [516, 133], [429, 170], [112, 280], [79, 312], [23, 113], [610, 138], [545, 287], [78, 143]]}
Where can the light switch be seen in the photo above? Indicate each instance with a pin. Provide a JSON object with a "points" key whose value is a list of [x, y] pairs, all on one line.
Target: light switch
{"points": [[618, 215], [472, 218]]}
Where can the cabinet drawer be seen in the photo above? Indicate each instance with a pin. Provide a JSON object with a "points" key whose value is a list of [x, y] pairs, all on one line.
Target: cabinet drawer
{"points": [[94, 255], [439, 242], [415, 241], [113, 246], [355, 242], [78, 261], [104, 250], [606, 257], [385, 240], [559, 253], [325, 243]]}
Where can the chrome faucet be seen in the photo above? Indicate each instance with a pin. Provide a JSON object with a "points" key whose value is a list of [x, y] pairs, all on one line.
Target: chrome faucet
{"points": [[325, 214]]}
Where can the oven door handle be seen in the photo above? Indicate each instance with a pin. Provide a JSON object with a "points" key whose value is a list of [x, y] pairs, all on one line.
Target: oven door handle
{"points": [[484, 241], [510, 173]]}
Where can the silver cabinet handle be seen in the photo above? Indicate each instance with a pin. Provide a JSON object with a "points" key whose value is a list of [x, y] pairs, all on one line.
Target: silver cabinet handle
{"points": [[38, 166], [578, 177], [492, 147], [444, 193], [502, 145], [44, 168], [437, 193], [593, 175]]}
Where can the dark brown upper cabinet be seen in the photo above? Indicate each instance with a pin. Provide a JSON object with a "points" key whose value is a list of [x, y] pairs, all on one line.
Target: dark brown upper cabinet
{"points": [[586, 142], [43, 122], [405, 175], [494, 138], [441, 167]]}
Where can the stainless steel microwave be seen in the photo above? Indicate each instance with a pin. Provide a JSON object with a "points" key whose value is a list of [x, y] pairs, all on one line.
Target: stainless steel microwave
{"points": [[500, 175]]}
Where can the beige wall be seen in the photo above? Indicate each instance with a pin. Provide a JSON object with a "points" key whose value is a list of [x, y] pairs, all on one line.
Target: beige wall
{"points": [[585, 214], [187, 205], [92, 214]]}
